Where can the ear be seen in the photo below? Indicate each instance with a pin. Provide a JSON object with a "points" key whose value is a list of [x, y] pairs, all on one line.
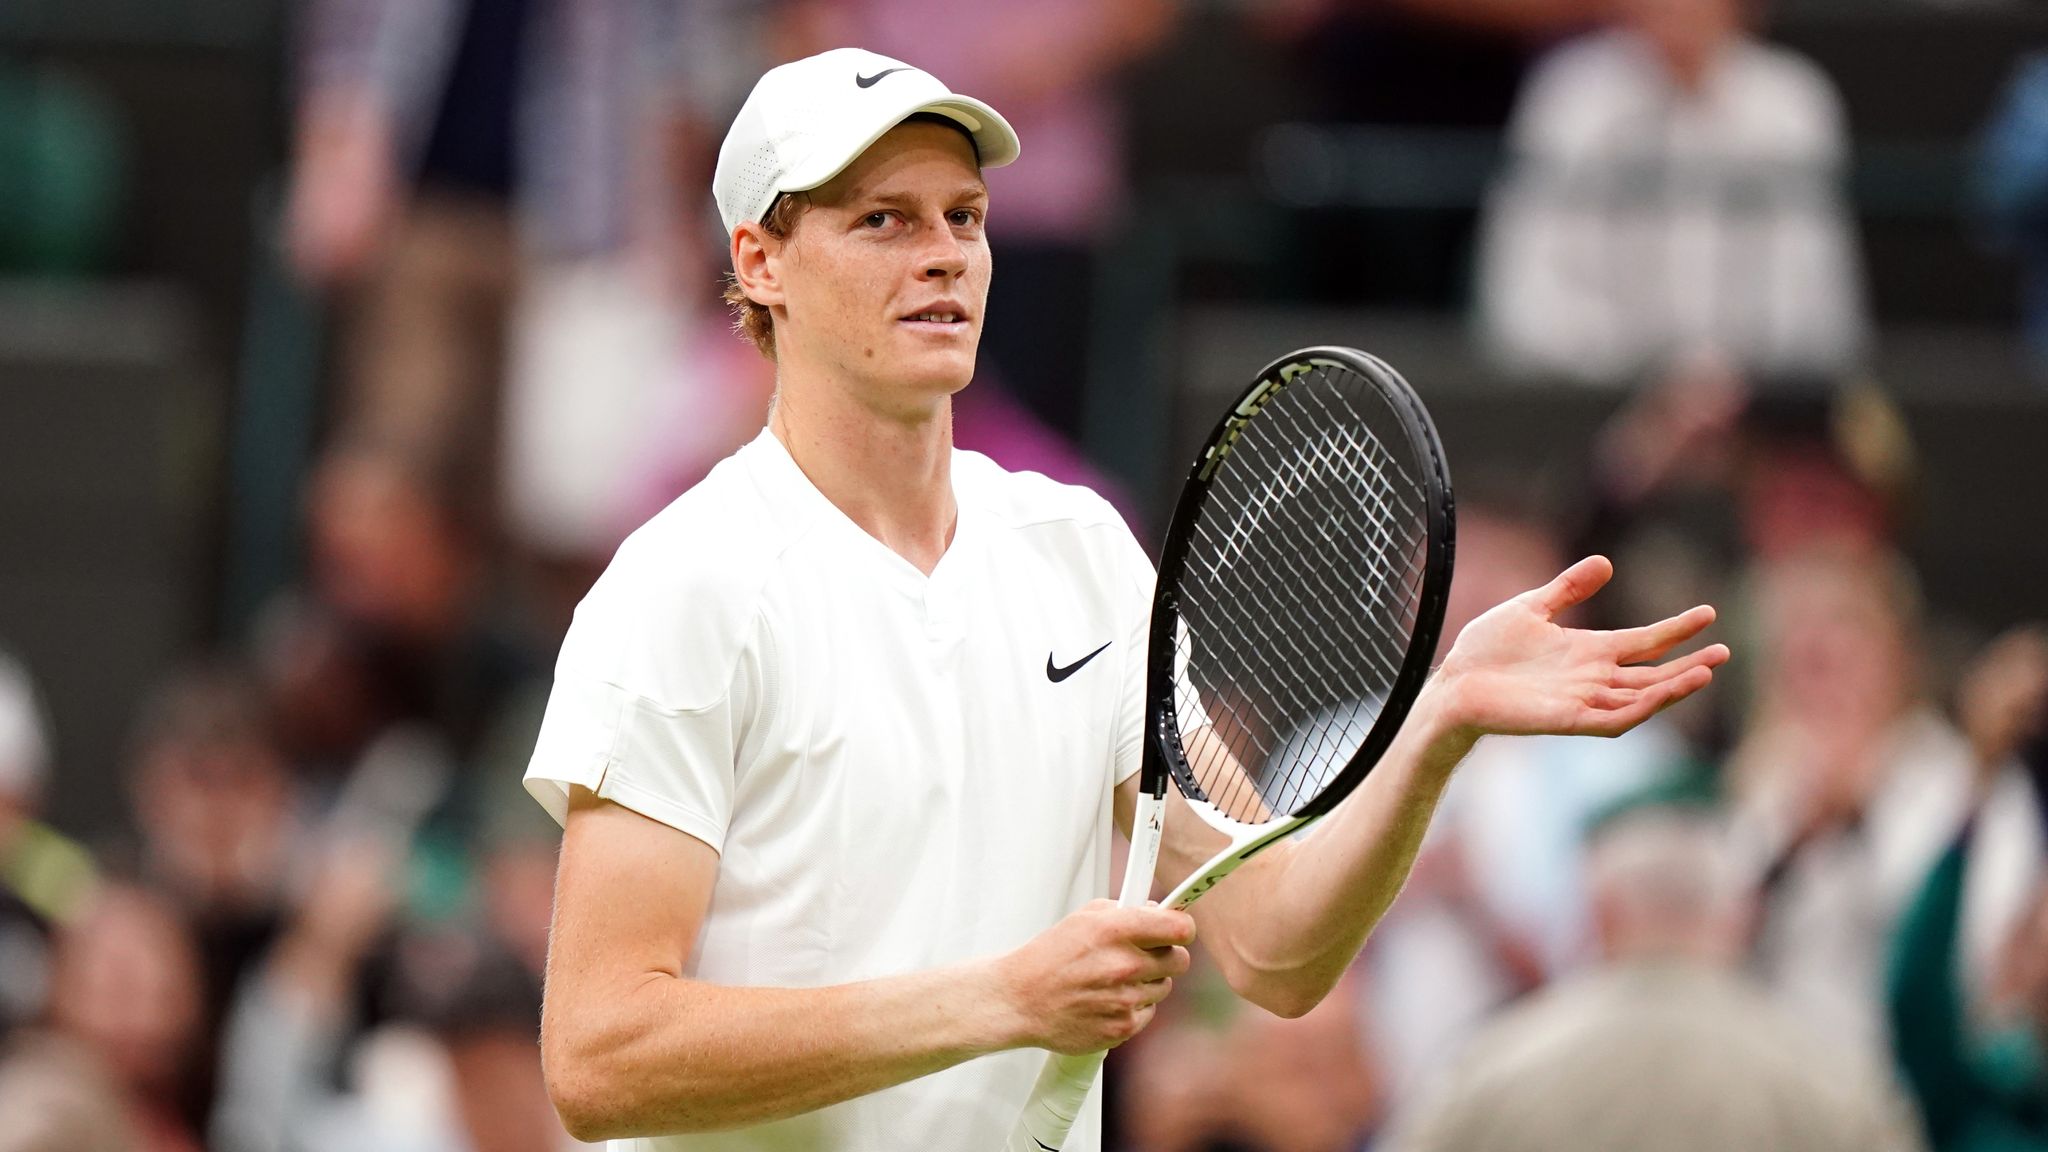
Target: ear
{"points": [[756, 264]]}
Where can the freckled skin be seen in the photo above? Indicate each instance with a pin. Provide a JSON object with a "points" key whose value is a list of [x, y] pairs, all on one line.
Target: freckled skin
{"points": [[899, 230]]}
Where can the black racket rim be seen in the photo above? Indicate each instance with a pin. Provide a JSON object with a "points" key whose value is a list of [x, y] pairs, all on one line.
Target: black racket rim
{"points": [[1164, 755]]}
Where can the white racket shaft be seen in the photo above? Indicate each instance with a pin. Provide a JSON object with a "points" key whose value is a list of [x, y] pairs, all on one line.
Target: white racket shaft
{"points": [[1064, 1082]]}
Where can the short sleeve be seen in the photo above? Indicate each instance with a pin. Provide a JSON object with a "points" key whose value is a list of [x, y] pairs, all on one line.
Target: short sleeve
{"points": [[677, 766], [1139, 593], [655, 693], [1138, 579]]}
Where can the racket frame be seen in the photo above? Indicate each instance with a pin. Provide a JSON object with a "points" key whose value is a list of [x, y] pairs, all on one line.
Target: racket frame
{"points": [[1064, 1081], [1161, 683]]}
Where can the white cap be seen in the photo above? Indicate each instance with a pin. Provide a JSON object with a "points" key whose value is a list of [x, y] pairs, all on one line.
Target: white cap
{"points": [[805, 121]]}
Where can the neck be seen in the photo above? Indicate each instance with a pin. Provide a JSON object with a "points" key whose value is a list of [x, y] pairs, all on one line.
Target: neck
{"points": [[890, 471], [1691, 69]]}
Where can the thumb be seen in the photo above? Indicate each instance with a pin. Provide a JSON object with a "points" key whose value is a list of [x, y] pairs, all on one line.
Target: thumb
{"points": [[1572, 587]]}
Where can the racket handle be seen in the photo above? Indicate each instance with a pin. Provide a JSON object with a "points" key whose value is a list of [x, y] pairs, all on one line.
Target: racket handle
{"points": [[1064, 1082], [1056, 1099]]}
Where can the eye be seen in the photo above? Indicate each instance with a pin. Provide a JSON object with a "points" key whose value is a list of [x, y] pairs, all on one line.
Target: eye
{"points": [[875, 220], [962, 217]]}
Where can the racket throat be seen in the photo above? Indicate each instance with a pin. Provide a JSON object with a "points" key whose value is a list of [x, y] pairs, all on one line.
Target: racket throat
{"points": [[1148, 824], [1192, 888]]}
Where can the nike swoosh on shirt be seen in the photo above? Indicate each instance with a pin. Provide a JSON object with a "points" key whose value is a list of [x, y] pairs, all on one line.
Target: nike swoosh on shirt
{"points": [[1056, 674], [871, 81]]}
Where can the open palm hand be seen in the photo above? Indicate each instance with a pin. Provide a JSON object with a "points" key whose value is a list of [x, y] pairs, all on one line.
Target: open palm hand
{"points": [[1515, 670]]}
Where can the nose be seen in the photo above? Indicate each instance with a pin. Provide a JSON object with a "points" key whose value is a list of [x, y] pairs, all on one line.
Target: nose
{"points": [[944, 255]]}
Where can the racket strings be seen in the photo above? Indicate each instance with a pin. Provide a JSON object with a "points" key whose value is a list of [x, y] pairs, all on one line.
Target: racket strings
{"points": [[1301, 592]]}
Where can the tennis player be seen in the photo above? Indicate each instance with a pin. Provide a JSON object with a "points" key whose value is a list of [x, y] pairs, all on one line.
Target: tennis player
{"points": [[839, 737]]}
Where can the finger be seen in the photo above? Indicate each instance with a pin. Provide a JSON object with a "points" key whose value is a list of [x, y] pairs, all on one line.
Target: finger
{"points": [[1160, 962], [1634, 645], [1140, 1020], [1153, 991], [1155, 927], [1613, 699], [1651, 701], [1651, 675], [1573, 586]]}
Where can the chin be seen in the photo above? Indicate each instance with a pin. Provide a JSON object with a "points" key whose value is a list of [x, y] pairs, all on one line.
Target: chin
{"points": [[939, 373]]}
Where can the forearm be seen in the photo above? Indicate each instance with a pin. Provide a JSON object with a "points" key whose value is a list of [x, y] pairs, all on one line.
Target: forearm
{"points": [[1285, 931], [669, 1054]]}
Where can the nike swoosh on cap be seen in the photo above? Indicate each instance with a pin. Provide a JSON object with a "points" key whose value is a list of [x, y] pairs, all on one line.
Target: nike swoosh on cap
{"points": [[1056, 674], [871, 81]]}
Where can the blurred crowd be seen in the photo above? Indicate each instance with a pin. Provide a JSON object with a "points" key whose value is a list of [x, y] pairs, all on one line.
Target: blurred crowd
{"points": [[1807, 912]]}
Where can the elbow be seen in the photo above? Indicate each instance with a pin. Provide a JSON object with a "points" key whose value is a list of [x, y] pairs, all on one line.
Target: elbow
{"points": [[599, 1095], [579, 1099], [1289, 1002], [593, 1104], [1289, 995]]}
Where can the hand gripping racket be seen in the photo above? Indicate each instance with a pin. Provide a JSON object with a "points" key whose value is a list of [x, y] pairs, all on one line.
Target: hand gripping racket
{"points": [[1300, 594]]}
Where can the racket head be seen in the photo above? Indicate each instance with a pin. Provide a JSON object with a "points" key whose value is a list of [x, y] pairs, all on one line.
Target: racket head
{"points": [[1327, 483]]}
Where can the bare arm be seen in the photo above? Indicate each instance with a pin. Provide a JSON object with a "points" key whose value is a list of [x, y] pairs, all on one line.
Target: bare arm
{"points": [[1284, 929], [1286, 925], [631, 1046]]}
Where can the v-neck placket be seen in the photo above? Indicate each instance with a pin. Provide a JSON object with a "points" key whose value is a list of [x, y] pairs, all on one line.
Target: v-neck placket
{"points": [[941, 596]]}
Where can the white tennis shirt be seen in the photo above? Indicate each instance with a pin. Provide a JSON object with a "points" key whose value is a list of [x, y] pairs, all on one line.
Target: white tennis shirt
{"points": [[899, 772]]}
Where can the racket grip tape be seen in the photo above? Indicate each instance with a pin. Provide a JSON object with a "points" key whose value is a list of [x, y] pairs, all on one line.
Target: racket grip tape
{"points": [[1063, 1083], [1056, 1100]]}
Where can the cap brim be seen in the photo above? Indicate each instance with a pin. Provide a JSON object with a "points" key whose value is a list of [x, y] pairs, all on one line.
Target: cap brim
{"points": [[995, 142]]}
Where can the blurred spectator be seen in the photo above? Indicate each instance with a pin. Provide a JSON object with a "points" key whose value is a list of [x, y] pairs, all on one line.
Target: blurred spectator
{"points": [[297, 1027], [1052, 67], [1674, 189], [477, 985], [57, 1098], [1214, 1075], [1981, 1077], [1665, 1046], [127, 985], [1804, 463], [401, 558], [212, 798], [1977, 1092], [213, 806], [212, 803], [1849, 784], [497, 179], [1824, 469], [1495, 906], [2012, 185], [45, 878], [1304, 1085], [480, 994]]}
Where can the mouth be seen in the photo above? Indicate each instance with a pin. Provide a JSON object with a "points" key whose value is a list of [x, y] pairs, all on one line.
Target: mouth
{"points": [[941, 319]]}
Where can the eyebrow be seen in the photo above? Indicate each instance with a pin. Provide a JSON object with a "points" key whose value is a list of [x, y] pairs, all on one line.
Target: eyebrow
{"points": [[975, 191]]}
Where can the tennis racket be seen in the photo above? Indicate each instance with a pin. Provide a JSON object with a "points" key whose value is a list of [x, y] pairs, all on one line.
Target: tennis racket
{"points": [[1300, 594]]}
